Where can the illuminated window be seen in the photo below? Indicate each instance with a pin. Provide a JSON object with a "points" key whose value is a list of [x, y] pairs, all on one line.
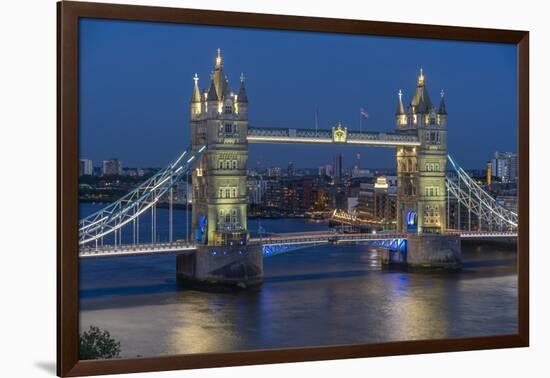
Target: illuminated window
{"points": [[234, 193], [234, 164], [220, 164]]}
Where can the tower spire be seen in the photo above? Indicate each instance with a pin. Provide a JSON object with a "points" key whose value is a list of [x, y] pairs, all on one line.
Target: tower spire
{"points": [[242, 91], [196, 93], [219, 62], [421, 78], [400, 108], [442, 107]]}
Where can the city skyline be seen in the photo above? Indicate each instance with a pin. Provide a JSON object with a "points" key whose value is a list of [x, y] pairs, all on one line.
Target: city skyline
{"points": [[480, 96]]}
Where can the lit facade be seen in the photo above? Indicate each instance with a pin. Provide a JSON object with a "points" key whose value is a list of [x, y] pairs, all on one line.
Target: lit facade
{"points": [[421, 170], [219, 119]]}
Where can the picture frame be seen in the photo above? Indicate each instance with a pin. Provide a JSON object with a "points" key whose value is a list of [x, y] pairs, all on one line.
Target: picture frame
{"points": [[69, 13]]}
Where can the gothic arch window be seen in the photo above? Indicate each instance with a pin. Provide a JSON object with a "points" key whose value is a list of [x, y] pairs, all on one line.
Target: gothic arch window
{"points": [[220, 164], [234, 164]]}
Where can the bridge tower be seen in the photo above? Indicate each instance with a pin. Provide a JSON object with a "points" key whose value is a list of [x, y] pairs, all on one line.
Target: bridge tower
{"points": [[421, 192], [219, 119], [421, 170]]}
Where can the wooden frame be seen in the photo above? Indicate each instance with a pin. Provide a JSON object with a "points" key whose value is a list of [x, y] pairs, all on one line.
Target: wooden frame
{"points": [[67, 184]]}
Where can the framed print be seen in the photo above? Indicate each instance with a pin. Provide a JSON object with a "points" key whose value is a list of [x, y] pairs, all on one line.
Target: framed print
{"points": [[239, 188]]}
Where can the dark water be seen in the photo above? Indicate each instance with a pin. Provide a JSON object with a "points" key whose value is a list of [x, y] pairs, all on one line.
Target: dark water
{"points": [[314, 296]]}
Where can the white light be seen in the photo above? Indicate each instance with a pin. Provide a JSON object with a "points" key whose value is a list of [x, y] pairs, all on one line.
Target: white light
{"points": [[191, 159], [202, 148]]}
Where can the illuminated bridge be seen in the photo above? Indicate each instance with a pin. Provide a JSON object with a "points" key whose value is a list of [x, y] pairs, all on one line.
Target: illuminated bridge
{"points": [[219, 249]]}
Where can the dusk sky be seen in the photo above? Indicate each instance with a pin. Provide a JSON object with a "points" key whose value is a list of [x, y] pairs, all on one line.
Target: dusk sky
{"points": [[136, 80]]}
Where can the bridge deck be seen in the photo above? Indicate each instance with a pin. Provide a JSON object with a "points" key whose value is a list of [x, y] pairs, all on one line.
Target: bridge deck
{"points": [[272, 240]]}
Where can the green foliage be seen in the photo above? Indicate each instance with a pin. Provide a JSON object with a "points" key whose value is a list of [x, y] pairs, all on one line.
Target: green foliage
{"points": [[98, 344]]}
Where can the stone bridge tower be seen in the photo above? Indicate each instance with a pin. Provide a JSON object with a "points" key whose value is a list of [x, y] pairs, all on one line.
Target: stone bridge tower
{"points": [[421, 170], [219, 119]]}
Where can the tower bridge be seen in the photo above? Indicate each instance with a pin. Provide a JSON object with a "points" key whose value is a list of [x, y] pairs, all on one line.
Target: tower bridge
{"points": [[220, 250]]}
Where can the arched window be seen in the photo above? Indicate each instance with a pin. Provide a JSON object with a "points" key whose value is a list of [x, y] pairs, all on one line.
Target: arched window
{"points": [[227, 192], [234, 193], [228, 109], [220, 164], [234, 166], [220, 195]]}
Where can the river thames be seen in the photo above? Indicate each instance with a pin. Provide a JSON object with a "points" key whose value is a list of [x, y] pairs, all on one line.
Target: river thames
{"points": [[334, 294]]}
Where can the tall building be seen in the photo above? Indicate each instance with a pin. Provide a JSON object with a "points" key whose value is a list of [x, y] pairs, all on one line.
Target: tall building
{"points": [[385, 199], [365, 201], [504, 165], [111, 167], [256, 191], [86, 167], [290, 170], [489, 173], [338, 173], [219, 119], [421, 169]]}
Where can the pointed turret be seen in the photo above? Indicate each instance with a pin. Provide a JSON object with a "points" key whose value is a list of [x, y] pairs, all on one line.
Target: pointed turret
{"points": [[421, 100], [400, 116], [242, 97], [218, 77], [400, 109], [442, 108], [196, 93], [212, 95]]}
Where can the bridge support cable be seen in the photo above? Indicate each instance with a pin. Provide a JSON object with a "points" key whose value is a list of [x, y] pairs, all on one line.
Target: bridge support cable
{"points": [[477, 201], [111, 219]]}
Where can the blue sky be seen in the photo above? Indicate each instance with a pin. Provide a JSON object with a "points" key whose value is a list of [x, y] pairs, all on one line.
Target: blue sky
{"points": [[136, 82]]}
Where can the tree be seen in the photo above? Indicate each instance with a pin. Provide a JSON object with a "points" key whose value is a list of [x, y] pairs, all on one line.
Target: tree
{"points": [[98, 344]]}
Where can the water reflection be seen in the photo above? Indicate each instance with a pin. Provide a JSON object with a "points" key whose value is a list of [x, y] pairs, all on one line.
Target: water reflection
{"points": [[317, 296]]}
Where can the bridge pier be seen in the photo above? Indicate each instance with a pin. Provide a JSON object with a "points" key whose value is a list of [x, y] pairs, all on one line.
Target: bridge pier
{"points": [[238, 266], [439, 251], [426, 251]]}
